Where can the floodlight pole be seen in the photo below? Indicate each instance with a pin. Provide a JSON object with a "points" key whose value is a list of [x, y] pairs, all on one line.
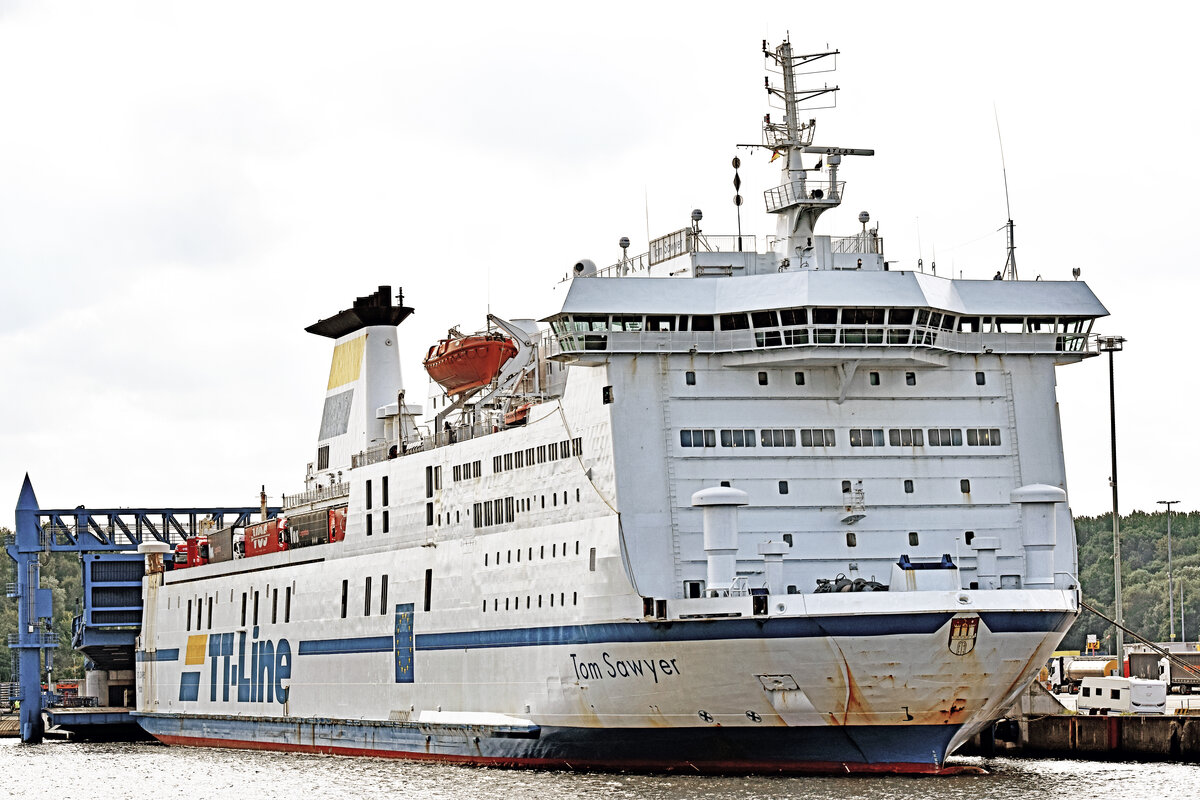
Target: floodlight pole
{"points": [[1110, 345]]}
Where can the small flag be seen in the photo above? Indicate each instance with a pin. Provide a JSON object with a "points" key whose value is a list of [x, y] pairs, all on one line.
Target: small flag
{"points": [[774, 155]]}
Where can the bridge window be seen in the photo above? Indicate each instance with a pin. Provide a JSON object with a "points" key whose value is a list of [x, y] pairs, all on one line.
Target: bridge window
{"points": [[734, 322], [658, 323], [900, 316], [764, 319], [825, 316], [702, 323], [793, 316]]}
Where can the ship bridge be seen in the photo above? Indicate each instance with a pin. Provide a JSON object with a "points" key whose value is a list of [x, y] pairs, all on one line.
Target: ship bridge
{"points": [[827, 315]]}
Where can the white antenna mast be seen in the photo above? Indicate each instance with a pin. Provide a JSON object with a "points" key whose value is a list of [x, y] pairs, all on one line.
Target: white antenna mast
{"points": [[1010, 264]]}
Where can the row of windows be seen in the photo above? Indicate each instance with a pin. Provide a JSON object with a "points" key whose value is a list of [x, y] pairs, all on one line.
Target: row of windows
{"points": [[537, 455], [555, 552], [825, 437], [200, 609], [516, 601], [367, 596], [494, 512], [764, 378], [925, 318], [471, 469]]}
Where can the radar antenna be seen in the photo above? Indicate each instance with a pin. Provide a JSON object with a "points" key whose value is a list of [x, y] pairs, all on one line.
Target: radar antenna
{"points": [[1010, 264]]}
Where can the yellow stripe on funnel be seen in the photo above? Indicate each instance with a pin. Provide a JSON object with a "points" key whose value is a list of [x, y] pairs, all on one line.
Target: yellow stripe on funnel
{"points": [[347, 362]]}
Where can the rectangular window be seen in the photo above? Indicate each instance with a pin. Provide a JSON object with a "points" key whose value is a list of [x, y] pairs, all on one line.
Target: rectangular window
{"points": [[345, 596], [689, 378], [368, 494], [874, 376], [910, 378], [243, 609], [913, 539], [980, 379], [189, 615], [817, 437], [906, 437], [866, 437], [367, 597], [323, 457], [778, 437], [209, 604], [908, 486], [553, 447], [497, 463], [519, 459], [762, 379], [799, 378], [429, 481], [383, 491], [945, 437], [737, 438], [734, 322], [369, 520], [274, 606], [606, 395], [964, 486], [428, 588], [256, 608], [783, 487], [983, 437], [508, 461], [287, 604], [457, 472], [385, 522], [383, 584], [697, 438], [429, 513]]}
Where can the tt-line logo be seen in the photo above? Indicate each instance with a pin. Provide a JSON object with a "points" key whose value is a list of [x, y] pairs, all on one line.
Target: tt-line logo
{"points": [[247, 671]]}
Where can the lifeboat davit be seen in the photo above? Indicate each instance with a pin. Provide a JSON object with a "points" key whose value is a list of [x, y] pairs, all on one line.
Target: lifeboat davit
{"points": [[462, 363]]}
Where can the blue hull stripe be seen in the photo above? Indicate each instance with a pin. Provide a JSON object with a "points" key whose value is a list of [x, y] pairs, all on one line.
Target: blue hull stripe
{"points": [[367, 644], [690, 631], [158, 655]]}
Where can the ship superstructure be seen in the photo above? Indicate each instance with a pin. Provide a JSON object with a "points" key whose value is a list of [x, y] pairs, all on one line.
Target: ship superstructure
{"points": [[789, 510]]}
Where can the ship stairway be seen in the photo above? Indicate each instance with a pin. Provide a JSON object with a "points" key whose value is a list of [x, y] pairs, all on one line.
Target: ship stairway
{"points": [[1011, 406], [672, 505]]}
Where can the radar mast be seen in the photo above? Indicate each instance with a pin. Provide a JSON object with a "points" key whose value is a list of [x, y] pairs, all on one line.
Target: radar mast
{"points": [[800, 200]]}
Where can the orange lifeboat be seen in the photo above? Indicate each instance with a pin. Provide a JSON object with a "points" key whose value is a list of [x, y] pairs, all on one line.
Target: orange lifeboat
{"points": [[462, 363]]}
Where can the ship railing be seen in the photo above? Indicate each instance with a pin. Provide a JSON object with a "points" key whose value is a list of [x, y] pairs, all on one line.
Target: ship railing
{"points": [[807, 192], [35, 639], [373, 455], [860, 243], [677, 244], [317, 495], [582, 343]]}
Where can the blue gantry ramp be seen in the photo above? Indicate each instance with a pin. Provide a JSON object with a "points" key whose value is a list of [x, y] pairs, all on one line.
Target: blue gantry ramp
{"points": [[111, 614]]}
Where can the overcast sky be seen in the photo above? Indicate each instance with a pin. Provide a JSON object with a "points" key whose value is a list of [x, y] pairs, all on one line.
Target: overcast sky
{"points": [[185, 186]]}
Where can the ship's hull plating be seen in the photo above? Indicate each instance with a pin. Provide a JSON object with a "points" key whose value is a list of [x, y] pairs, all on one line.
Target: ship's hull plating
{"points": [[854, 693]]}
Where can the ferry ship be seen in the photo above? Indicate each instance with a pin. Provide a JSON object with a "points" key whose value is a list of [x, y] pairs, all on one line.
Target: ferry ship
{"points": [[725, 510]]}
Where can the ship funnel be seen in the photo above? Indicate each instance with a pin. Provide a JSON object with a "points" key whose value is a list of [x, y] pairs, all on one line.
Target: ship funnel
{"points": [[720, 533], [364, 374], [1038, 534]]}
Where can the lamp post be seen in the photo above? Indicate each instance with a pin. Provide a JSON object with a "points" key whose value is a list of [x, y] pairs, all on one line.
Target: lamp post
{"points": [[1170, 581], [1110, 345]]}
